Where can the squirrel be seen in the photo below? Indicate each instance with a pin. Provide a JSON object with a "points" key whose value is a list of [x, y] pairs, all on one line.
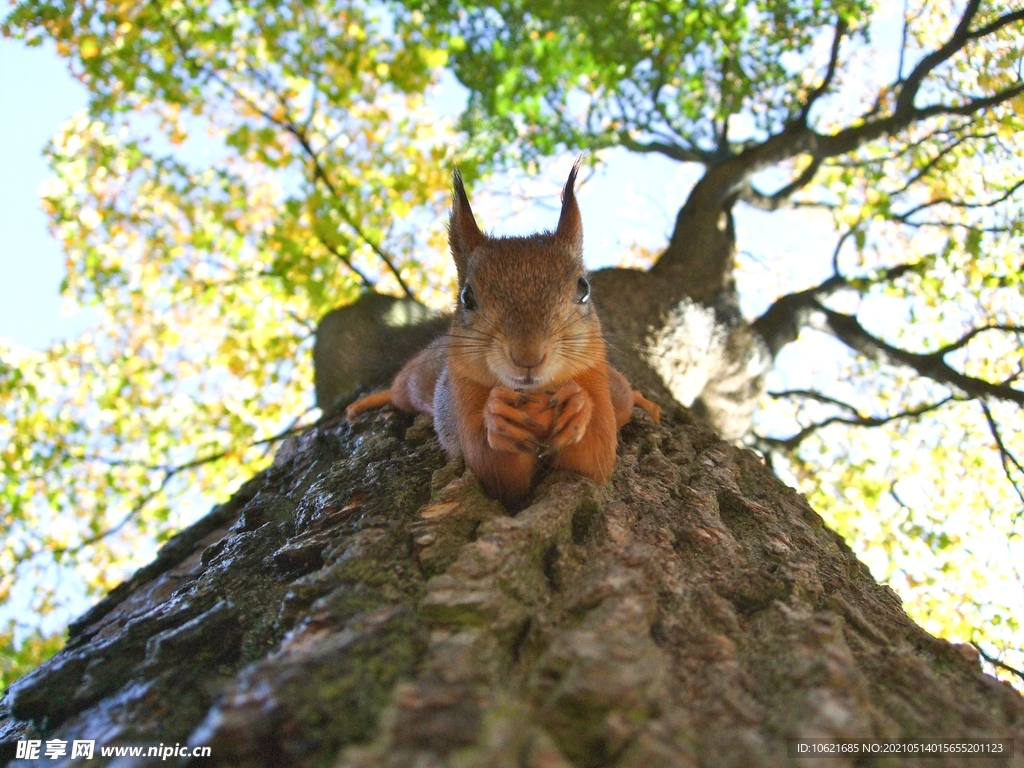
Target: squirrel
{"points": [[522, 378]]}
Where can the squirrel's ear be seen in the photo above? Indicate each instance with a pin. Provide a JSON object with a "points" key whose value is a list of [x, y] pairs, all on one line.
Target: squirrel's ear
{"points": [[463, 233], [570, 225]]}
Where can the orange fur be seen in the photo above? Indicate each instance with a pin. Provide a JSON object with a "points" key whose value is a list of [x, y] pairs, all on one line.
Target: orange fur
{"points": [[506, 475]]}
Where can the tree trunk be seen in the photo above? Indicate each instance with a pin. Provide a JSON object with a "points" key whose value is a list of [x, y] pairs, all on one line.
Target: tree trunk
{"points": [[362, 603]]}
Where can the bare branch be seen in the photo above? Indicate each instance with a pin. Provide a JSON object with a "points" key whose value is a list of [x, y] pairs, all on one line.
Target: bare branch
{"points": [[949, 224], [857, 420], [966, 338], [309, 325], [169, 473], [995, 26], [971, 107], [672, 151], [728, 177], [721, 137], [896, 496], [781, 198], [136, 509], [995, 662], [837, 279], [782, 322], [1007, 458], [928, 167], [903, 42], [810, 394], [850, 139], [321, 174], [910, 86], [346, 260], [851, 332], [826, 83], [960, 204], [670, 123], [905, 148]]}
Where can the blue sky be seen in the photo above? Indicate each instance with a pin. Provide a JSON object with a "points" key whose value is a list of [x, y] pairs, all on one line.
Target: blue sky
{"points": [[36, 94]]}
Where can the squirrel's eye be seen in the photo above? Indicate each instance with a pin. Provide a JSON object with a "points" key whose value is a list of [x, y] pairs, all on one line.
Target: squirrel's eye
{"points": [[467, 298], [582, 290]]}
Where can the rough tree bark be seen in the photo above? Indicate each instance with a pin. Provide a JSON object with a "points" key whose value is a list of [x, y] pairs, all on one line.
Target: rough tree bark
{"points": [[361, 603]]}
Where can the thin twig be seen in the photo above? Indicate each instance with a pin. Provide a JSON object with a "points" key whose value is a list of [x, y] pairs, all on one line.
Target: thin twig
{"points": [[790, 443], [810, 394], [902, 217], [346, 260], [1005, 455], [995, 662], [966, 338]]}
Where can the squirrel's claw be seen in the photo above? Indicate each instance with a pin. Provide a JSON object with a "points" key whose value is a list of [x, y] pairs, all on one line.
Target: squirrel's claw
{"points": [[652, 408], [509, 426], [573, 408], [376, 400]]}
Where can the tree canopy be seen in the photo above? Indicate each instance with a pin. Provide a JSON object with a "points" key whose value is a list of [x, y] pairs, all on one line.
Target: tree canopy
{"points": [[244, 167]]}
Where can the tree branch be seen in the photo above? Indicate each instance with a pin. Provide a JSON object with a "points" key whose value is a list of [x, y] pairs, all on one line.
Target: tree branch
{"points": [[169, 473], [902, 217], [810, 394], [995, 26], [848, 330], [904, 149], [671, 151], [966, 338], [319, 173], [782, 322], [346, 260], [903, 42], [948, 224], [1007, 458], [928, 167], [790, 443], [781, 198], [996, 662], [833, 61], [910, 86]]}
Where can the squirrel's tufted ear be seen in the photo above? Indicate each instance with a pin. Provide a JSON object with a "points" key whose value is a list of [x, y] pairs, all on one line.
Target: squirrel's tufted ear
{"points": [[463, 233], [570, 225]]}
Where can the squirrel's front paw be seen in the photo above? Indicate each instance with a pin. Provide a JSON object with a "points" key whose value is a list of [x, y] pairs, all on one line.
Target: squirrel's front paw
{"points": [[517, 422], [572, 408]]}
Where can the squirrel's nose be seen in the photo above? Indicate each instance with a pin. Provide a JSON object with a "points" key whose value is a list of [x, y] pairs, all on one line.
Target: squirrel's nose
{"points": [[528, 359]]}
